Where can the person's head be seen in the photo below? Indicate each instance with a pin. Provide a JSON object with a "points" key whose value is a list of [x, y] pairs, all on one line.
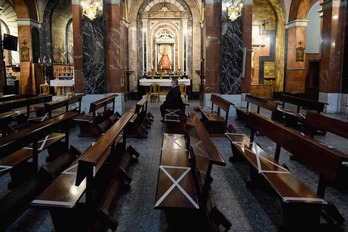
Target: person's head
{"points": [[174, 82]]}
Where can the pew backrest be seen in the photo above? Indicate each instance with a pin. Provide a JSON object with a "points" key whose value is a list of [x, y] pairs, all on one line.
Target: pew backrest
{"points": [[318, 121], [323, 159], [104, 102], [9, 97], [92, 159], [309, 104], [221, 104], [64, 102], [17, 103], [261, 102], [16, 141], [212, 152]]}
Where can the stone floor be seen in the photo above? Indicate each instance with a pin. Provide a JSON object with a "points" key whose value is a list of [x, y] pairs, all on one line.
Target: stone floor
{"points": [[248, 210]]}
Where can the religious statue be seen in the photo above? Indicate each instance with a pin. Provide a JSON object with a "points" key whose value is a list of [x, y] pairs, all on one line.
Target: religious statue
{"points": [[165, 61]]}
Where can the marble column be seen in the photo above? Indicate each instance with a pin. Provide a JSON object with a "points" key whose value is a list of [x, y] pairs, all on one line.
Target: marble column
{"points": [[212, 16], [27, 78], [295, 70], [345, 59], [231, 53], [114, 37], [94, 54], [78, 50], [330, 81], [247, 39]]}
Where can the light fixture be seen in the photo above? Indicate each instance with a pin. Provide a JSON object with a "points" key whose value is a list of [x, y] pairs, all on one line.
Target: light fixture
{"points": [[235, 9], [92, 9]]}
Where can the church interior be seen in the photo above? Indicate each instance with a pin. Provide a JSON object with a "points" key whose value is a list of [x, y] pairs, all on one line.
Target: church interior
{"points": [[255, 141]]}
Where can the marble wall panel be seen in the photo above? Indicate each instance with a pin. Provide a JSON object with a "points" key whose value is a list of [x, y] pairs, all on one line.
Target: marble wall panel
{"points": [[295, 80], [331, 49], [113, 47], [231, 53], [345, 59], [27, 80], [247, 38], [78, 48], [212, 40], [93, 33], [45, 38]]}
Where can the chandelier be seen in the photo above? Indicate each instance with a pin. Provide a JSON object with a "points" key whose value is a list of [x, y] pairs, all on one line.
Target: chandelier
{"points": [[235, 9], [92, 8]]}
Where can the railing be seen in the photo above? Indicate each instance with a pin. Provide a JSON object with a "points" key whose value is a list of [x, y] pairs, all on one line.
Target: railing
{"points": [[261, 90]]}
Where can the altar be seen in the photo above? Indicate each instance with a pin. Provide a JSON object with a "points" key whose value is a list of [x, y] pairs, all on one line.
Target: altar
{"points": [[144, 84], [162, 82], [63, 87]]}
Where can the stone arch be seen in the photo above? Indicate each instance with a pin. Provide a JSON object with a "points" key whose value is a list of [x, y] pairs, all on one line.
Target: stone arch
{"points": [[26, 9], [154, 2], [9, 21], [299, 9], [279, 44], [191, 7], [46, 37]]}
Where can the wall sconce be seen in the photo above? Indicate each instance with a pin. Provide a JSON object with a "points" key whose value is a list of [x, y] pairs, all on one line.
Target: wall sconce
{"points": [[235, 9], [92, 8]]}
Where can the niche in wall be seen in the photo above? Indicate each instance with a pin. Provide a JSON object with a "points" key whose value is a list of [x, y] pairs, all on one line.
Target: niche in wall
{"points": [[61, 31]]}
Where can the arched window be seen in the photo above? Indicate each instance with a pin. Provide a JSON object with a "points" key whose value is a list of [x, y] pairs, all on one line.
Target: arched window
{"points": [[69, 42]]}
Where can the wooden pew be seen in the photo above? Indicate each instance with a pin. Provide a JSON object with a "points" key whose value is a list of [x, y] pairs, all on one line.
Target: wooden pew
{"points": [[5, 120], [17, 148], [293, 118], [216, 124], [139, 123], [16, 200], [183, 184], [107, 124], [88, 123], [315, 121], [24, 102], [9, 97], [300, 204], [242, 113], [99, 173], [52, 108], [176, 118]]}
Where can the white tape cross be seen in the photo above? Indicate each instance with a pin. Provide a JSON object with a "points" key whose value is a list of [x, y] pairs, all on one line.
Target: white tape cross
{"points": [[174, 141], [285, 199], [69, 168], [176, 184], [172, 112], [44, 141]]}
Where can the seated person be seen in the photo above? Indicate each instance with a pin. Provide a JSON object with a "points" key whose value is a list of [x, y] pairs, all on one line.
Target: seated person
{"points": [[173, 98]]}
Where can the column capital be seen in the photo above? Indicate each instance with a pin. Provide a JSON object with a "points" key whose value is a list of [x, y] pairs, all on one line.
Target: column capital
{"points": [[28, 22], [333, 3], [248, 2], [297, 23]]}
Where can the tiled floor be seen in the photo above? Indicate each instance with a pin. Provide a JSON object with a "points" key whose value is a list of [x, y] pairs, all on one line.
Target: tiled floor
{"points": [[248, 210]]}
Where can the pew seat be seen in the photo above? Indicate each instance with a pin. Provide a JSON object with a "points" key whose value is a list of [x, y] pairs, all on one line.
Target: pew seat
{"points": [[81, 197], [300, 203], [216, 124]]}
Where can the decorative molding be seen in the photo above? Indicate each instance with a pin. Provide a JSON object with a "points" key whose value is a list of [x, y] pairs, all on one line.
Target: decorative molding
{"points": [[248, 2], [297, 23], [333, 3], [28, 22], [112, 1]]}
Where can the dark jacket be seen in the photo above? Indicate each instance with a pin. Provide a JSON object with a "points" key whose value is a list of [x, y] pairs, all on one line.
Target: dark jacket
{"points": [[173, 99]]}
